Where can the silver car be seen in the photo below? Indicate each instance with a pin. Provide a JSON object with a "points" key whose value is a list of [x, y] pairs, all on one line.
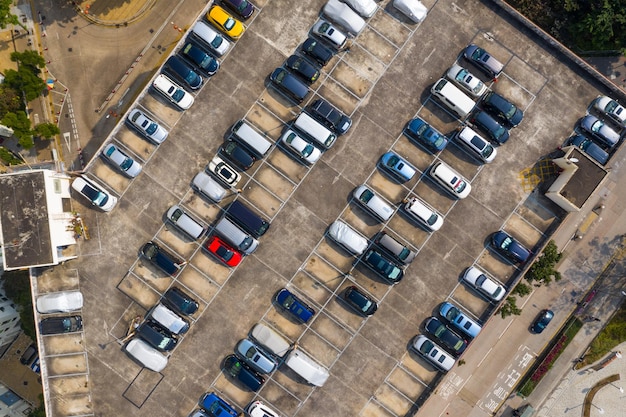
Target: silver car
{"points": [[329, 33], [347, 237], [149, 128], [373, 203], [123, 162], [611, 108], [60, 302], [344, 16], [485, 285], [255, 357], [413, 9], [300, 147], [484, 60], [466, 80], [600, 130], [365, 8]]}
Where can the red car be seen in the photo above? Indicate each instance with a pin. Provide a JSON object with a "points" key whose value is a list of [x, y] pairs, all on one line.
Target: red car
{"points": [[223, 251]]}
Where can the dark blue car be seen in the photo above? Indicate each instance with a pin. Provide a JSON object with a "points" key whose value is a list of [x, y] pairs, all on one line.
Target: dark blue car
{"points": [[589, 147], [317, 51], [246, 375], [542, 320], [426, 135], [243, 8], [295, 306], [503, 109], [204, 61], [161, 258], [489, 125], [178, 67], [216, 406], [180, 301], [507, 246]]}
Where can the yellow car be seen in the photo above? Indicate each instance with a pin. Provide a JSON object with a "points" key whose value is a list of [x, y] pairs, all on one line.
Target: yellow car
{"points": [[225, 22]]}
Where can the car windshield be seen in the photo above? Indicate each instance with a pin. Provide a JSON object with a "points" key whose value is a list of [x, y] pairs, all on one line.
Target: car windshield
{"points": [[152, 128], [224, 253], [191, 77], [126, 164], [97, 197], [427, 346], [460, 186], [487, 151], [506, 243], [432, 219], [308, 150], [478, 53], [176, 215], [421, 130], [393, 161], [151, 252], [178, 94], [404, 254], [452, 314], [611, 106], [460, 77], [497, 292], [217, 41], [242, 6], [324, 27], [366, 196], [288, 301], [596, 126], [366, 306], [509, 113], [229, 23], [250, 352]]}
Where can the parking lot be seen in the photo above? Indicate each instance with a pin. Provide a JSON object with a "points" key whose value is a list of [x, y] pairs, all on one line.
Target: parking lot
{"points": [[382, 82]]}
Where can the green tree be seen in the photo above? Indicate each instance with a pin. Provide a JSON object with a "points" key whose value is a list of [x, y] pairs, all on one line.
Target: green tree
{"points": [[46, 130], [522, 290], [509, 307], [20, 124], [31, 59], [542, 271], [17, 288], [6, 18], [25, 80], [10, 100], [39, 411]]}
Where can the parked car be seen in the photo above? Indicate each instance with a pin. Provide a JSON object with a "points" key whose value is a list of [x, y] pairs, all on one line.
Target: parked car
{"points": [[483, 284], [436, 355], [232, 27], [424, 214], [255, 357], [216, 406], [316, 50], [60, 302], [290, 85], [121, 161], [600, 130], [147, 127], [29, 354], [236, 368], [450, 180], [243, 8], [224, 172], [365, 8], [185, 222], [590, 148], [180, 301], [413, 9], [476, 145], [360, 301], [483, 60], [168, 319], [330, 34], [204, 61], [426, 135], [502, 108], [162, 258], [302, 68], [459, 320], [328, 115], [466, 80], [223, 251], [399, 251], [447, 337], [304, 150], [173, 92], [347, 237], [294, 305], [209, 187], [95, 193], [541, 321], [182, 70], [238, 154], [211, 38], [397, 167], [491, 126], [259, 409], [198, 413], [384, 267], [611, 108], [156, 336], [55, 325], [146, 355], [344, 16], [373, 203], [509, 247]]}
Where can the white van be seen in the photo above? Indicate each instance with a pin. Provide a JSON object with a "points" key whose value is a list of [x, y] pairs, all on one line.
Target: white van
{"points": [[237, 237], [248, 136], [315, 130], [306, 367], [185, 222], [211, 37], [168, 319], [146, 355], [206, 185], [455, 99], [270, 340]]}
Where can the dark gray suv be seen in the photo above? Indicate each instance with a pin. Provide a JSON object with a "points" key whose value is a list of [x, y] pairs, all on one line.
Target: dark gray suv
{"points": [[327, 114]]}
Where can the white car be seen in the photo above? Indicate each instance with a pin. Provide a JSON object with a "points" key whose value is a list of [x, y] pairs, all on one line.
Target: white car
{"points": [[481, 282], [173, 92], [300, 147], [347, 237], [328, 32], [123, 162], [95, 193], [413, 9], [60, 302], [207, 186], [466, 80], [365, 8], [344, 16], [423, 213], [611, 108], [373, 203], [146, 355], [436, 355], [224, 172], [478, 146], [450, 180], [211, 37], [258, 409], [149, 128], [600, 130]]}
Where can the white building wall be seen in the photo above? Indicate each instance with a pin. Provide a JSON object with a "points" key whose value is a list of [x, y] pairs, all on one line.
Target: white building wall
{"points": [[9, 319], [19, 408]]}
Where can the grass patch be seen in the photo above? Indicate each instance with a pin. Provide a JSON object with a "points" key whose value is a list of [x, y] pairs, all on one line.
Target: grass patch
{"points": [[612, 335]]}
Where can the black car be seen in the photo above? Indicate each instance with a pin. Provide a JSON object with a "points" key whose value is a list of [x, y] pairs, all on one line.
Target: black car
{"points": [[316, 50], [243, 8], [543, 319], [503, 109], [180, 301], [327, 114], [361, 302], [55, 325], [162, 258], [589, 147], [385, 268], [157, 336], [450, 340], [489, 125], [204, 61], [509, 247], [182, 70], [29, 355], [246, 375], [289, 84], [238, 155], [302, 68]]}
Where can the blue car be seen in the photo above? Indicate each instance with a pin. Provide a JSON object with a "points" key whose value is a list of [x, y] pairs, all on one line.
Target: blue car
{"points": [[459, 320], [200, 58], [298, 308], [489, 125], [215, 406], [542, 320], [254, 357], [397, 166], [239, 370], [507, 246], [162, 258], [183, 71], [590, 148], [424, 134], [385, 268]]}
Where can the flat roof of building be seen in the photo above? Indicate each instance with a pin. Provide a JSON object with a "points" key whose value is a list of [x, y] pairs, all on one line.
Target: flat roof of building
{"points": [[585, 180]]}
